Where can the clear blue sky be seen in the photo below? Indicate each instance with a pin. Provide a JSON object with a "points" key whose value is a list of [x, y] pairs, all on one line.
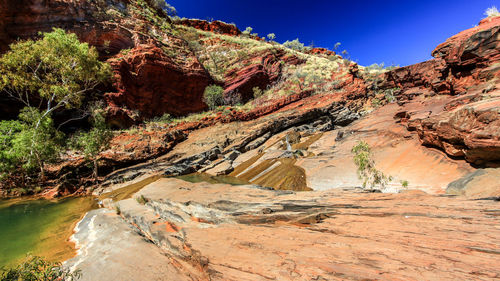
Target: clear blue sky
{"points": [[391, 31]]}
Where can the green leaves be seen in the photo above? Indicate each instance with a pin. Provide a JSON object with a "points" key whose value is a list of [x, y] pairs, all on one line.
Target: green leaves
{"points": [[39, 142], [36, 269], [25, 145], [213, 96], [58, 68], [8, 132], [55, 72], [93, 142], [367, 172]]}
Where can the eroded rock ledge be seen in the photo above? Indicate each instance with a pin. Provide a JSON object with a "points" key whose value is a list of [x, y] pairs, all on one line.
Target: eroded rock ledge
{"points": [[223, 232]]}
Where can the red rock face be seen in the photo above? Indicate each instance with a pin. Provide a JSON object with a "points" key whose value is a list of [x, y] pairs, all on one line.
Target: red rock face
{"points": [[214, 26], [465, 66], [477, 46], [471, 131], [262, 71], [464, 60], [149, 83], [321, 51], [152, 83], [25, 19]]}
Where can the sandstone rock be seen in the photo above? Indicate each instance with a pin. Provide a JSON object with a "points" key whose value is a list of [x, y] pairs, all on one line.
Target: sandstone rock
{"points": [[222, 168], [464, 60], [262, 71], [214, 26], [470, 131], [477, 46], [482, 183], [153, 83], [104, 241], [22, 20], [279, 235], [232, 155]]}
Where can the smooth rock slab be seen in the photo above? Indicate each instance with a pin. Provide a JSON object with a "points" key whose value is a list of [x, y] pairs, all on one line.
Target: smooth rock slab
{"points": [[110, 249]]}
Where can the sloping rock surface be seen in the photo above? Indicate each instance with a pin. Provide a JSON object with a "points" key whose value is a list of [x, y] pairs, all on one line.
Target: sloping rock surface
{"points": [[246, 233]]}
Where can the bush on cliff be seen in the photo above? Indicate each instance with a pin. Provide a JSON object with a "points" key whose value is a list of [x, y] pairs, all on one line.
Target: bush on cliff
{"points": [[294, 45], [213, 96], [55, 72], [163, 5], [492, 12], [367, 172], [95, 141]]}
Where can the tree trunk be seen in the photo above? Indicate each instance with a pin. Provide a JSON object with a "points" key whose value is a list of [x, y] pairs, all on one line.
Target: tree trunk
{"points": [[42, 171], [95, 170]]}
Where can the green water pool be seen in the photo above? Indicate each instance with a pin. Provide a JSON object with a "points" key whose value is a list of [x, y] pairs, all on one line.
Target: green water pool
{"points": [[39, 227]]}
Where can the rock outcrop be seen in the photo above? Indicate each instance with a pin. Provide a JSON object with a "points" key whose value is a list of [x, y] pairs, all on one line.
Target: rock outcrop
{"points": [[153, 83], [25, 19], [262, 70], [471, 131], [214, 26], [466, 65], [464, 60]]}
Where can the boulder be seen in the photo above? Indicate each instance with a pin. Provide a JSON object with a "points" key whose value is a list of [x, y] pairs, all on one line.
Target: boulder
{"points": [[471, 131], [482, 183]]}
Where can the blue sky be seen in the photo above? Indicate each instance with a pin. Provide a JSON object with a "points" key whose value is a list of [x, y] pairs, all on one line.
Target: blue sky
{"points": [[394, 32]]}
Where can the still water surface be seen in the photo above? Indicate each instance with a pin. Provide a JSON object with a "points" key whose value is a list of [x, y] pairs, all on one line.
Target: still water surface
{"points": [[39, 227]]}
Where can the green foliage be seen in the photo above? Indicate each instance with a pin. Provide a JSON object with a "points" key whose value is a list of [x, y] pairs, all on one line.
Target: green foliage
{"points": [[376, 102], [213, 96], [163, 5], [28, 143], [38, 269], [95, 141], [8, 133], [165, 118], [271, 36], [58, 68], [57, 71], [257, 92], [39, 142], [367, 172], [248, 30], [294, 45], [389, 95], [118, 210], [405, 183], [141, 200]]}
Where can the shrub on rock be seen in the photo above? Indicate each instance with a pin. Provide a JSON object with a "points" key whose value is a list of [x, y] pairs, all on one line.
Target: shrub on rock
{"points": [[213, 96]]}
